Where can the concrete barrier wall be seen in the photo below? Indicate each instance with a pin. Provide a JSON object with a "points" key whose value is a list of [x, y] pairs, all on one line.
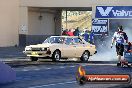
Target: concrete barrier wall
{"points": [[35, 39], [9, 22], [31, 39]]}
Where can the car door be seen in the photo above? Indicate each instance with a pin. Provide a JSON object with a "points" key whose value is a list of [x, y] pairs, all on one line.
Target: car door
{"points": [[80, 47], [69, 48]]}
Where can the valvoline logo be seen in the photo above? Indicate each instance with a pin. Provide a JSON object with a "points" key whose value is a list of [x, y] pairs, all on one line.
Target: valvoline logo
{"points": [[104, 12], [113, 12]]}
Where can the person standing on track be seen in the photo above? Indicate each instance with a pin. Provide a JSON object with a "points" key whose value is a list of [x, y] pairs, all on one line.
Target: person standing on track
{"points": [[119, 38]]}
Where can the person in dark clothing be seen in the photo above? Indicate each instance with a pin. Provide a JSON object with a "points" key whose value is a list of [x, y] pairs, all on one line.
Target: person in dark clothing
{"points": [[119, 38], [86, 36], [76, 32], [65, 32], [91, 37]]}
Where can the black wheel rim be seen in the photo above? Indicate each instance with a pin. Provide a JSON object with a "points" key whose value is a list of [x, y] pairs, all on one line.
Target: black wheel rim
{"points": [[57, 56], [85, 56]]}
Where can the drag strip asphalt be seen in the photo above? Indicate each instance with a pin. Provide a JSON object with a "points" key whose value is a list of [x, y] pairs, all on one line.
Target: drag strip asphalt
{"points": [[25, 62], [61, 74]]}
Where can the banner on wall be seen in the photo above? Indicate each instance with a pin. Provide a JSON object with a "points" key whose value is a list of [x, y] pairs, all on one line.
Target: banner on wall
{"points": [[113, 12], [100, 26]]}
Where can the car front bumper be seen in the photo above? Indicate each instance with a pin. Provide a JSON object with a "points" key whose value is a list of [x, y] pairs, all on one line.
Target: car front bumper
{"points": [[37, 53]]}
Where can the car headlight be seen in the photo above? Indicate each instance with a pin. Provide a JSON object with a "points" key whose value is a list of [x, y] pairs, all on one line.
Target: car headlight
{"points": [[28, 48], [45, 49]]}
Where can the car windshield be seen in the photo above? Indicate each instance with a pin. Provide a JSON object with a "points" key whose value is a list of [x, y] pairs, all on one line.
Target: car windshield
{"points": [[54, 40]]}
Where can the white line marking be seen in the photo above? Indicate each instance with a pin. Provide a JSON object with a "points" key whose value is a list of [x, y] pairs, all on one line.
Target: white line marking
{"points": [[84, 64], [52, 84], [72, 66], [25, 70], [47, 68], [36, 69], [62, 67], [98, 64], [103, 64]]}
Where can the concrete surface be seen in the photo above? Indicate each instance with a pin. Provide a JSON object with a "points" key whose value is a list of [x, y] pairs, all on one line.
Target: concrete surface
{"points": [[7, 74], [62, 76]]}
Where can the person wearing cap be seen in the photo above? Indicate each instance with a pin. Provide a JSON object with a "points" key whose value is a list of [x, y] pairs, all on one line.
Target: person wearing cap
{"points": [[119, 38]]}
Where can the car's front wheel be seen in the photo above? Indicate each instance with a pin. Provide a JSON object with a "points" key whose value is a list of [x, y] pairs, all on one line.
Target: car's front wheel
{"points": [[56, 55], [85, 56], [33, 58]]}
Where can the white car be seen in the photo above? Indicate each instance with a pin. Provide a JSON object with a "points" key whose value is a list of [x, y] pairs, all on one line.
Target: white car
{"points": [[57, 47]]}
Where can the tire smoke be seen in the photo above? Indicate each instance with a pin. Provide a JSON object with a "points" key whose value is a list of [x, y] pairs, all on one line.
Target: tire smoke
{"points": [[104, 51]]}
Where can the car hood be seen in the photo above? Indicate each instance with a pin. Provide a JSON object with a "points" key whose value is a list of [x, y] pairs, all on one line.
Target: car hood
{"points": [[40, 45]]}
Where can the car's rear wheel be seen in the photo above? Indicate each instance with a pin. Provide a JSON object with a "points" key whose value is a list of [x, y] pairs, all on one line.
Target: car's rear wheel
{"points": [[85, 56], [56, 55], [33, 58]]}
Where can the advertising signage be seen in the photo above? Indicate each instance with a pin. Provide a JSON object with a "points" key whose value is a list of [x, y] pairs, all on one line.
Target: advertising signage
{"points": [[100, 26], [113, 12]]}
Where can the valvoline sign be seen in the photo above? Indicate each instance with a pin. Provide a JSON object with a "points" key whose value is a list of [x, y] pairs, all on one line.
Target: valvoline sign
{"points": [[100, 26], [113, 12]]}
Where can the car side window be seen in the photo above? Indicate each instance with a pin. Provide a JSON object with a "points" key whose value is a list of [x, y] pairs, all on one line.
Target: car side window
{"points": [[56, 40], [69, 41], [78, 41], [61, 40]]}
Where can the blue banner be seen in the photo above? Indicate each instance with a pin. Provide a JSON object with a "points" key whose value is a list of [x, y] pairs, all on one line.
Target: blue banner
{"points": [[113, 12], [100, 26]]}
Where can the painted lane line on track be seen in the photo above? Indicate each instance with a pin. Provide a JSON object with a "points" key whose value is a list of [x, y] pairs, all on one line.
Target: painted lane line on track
{"points": [[98, 64], [61, 67], [52, 84], [48, 68], [103, 64], [72, 66], [36, 69], [84, 64], [25, 70]]}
